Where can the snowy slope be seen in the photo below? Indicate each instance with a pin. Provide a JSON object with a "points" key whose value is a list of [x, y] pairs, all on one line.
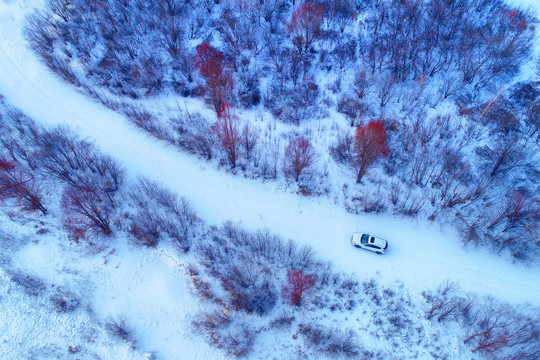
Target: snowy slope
{"points": [[140, 286], [421, 254]]}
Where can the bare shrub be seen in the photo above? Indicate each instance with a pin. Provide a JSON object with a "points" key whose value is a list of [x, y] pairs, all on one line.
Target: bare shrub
{"points": [[147, 121], [354, 109], [209, 324], [505, 154], [498, 330], [119, 328], [19, 183], [249, 289], [265, 248], [161, 213], [241, 261], [87, 210], [229, 133], [41, 36], [509, 226], [372, 289], [202, 288], [302, 258], [65, 156], [145, 230], [281, 322], [249, 139], [299, 158], [18, 138], [342, 149], [298, 286], [239, 340], [362, 84], [331, 341], [195, 134], [64, 300], [371, 202], [61, 67], [235, 338], [412, 203], [445, 303], [30, 284]]}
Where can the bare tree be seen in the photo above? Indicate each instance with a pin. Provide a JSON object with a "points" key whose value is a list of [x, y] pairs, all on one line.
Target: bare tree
{"points": [[250, 138], [229, 133], [369, 144], [305, 24], [16, 182], [299, 157], [386, 89], [87, 209], [297, 287]]}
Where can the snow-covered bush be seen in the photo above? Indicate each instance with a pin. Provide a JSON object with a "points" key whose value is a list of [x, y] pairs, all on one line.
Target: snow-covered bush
{"points": [[159, 213], [332, 342], [195, 134], [298, 287], [65, 300], [497, 330], [118, 327], [29, 283]]}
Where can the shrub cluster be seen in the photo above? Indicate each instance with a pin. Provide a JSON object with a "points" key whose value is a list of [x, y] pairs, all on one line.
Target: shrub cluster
{"points": [[360, 58], [497, 330], [32, 157], [158, 213]]}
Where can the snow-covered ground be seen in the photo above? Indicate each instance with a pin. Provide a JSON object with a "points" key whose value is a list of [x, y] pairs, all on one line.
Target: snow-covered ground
{"points": [[421, 254], [139, 286]]}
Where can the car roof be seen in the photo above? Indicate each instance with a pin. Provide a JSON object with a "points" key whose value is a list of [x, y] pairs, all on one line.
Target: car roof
{"points": [[378, 241]]}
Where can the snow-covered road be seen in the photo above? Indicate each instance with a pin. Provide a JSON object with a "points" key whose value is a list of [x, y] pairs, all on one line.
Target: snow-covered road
{"points": [[421, 254]]}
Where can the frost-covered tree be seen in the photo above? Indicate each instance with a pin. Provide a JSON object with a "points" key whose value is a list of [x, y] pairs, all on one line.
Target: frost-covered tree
{"points": [[229, 133], [211, 65], [299, 157], [369, 145]]}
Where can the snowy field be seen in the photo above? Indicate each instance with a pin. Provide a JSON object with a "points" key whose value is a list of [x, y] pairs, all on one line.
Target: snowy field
{"points": [[421, 254]]}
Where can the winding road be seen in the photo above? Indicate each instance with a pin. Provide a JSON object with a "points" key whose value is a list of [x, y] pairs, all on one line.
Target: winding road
{"points": [[421, 254]]}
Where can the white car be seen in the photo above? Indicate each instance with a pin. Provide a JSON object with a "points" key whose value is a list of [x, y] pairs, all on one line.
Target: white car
{"points": [[369, 242]]}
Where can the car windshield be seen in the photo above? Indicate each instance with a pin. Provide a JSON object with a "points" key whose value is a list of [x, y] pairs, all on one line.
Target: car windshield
{"points": [[365, 239]]}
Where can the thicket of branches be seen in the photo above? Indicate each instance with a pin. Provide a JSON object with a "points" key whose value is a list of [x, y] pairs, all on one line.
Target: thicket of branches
{"points": [[380, 61], [479, 170], [138, 48], [240, 275], [495, 329], [157, 213], [34, 158]]}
